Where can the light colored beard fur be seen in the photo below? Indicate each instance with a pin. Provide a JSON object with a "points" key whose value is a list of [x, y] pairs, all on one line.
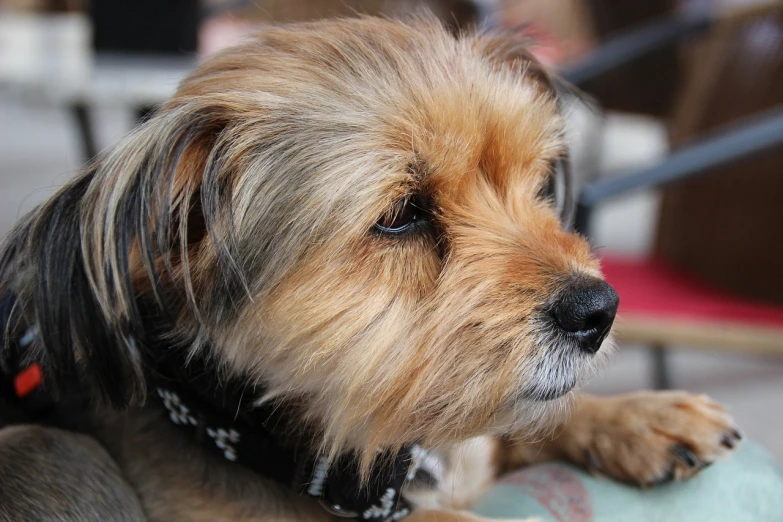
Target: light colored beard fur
{"points": [[533, 418]]}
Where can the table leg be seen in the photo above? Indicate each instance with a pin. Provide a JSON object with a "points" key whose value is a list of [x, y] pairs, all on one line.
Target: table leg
{"points": [[660, 368], [81, 115], [143, 113]]}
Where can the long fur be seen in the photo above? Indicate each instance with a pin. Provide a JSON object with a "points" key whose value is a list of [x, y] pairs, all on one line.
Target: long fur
{"points": [[238, 225], [241, 214]]}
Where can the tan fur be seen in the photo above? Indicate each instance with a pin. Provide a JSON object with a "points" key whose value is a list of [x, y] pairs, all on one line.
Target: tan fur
{"points": [[631, 437], [263, 179]]}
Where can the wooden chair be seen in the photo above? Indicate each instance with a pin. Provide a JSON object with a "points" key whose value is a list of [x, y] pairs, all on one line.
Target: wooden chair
{"points": [[727, 131]]}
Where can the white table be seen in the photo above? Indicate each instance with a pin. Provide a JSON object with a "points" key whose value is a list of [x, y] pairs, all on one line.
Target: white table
{"points": [[49, 59]]}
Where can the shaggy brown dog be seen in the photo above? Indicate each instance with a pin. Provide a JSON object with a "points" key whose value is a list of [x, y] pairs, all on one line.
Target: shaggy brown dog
{"points": [[351, 220]]}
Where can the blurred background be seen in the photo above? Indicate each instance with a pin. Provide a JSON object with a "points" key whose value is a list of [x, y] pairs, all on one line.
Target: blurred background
{"points": [[676, 137]]}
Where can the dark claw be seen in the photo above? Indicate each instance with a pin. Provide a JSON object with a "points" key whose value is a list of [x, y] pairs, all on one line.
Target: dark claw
{"points": [[592, 463], [663, 479], [736, 433], [685, 455], [728, 442]]}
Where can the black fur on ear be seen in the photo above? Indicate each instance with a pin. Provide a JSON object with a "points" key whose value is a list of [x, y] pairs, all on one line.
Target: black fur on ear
{"points": [[122, 233]]}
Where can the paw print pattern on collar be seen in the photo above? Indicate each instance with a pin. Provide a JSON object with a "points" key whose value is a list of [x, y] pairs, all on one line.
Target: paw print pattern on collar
{"points": [[384, 510], [225, 440], [178, 412]]}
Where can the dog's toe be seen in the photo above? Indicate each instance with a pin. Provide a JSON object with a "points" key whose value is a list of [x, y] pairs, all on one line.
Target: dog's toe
{"points": [[686, 456], [651, 438]]}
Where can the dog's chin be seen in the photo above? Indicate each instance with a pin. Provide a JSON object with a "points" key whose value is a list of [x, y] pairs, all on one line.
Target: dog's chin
{"points": [[561, 367], [553, 381], [548, 393]]}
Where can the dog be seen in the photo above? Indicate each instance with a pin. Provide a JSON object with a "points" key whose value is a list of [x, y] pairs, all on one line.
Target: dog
{"points": [[326, 279]]}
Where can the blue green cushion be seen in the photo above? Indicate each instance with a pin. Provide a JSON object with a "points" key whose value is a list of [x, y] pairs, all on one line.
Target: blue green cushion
{"points": [[746, 487]]}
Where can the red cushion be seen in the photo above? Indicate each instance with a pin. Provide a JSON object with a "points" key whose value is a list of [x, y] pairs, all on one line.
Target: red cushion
{"points": [[649, 287]]}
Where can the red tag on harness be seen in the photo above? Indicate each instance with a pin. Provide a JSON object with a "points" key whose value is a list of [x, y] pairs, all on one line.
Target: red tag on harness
{"points": [[28, 380]]}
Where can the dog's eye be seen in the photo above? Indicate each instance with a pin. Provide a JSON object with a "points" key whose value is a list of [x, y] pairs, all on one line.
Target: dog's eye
{"points": [[557, 191], [549, 191], [402, 216]]}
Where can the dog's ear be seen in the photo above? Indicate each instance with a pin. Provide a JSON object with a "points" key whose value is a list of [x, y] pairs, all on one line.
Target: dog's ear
{"points": [[115, 246]]}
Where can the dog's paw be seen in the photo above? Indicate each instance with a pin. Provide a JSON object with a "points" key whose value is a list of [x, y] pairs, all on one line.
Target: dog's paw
{"points": [[653, 437]]}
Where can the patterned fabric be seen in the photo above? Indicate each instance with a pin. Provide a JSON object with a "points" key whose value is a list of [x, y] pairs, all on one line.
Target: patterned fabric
{"points": [[336, 486], [746, 486]]}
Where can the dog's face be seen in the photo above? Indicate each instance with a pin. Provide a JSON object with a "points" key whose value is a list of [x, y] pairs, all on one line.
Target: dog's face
{"points": [[362, 224]]}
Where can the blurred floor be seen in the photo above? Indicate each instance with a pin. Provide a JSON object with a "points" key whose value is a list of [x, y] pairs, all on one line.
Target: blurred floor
{"points": [[39, 151]]}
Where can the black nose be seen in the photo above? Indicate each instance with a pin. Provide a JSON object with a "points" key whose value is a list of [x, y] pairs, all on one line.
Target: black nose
{"points": [[586, 309]]}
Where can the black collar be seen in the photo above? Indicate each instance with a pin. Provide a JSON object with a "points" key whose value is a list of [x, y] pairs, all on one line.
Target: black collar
{"points": [[220, 414], [254, 445]]}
